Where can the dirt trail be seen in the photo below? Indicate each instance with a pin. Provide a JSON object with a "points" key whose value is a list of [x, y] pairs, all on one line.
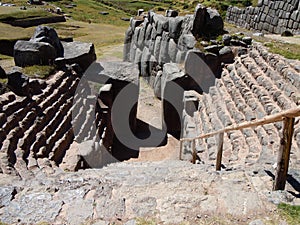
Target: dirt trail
{"points": [[291, 40], [149, 111]]}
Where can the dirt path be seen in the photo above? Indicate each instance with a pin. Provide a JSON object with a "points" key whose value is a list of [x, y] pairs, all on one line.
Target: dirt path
{"points": [[7, 64], [149, 111], [291, 40]]}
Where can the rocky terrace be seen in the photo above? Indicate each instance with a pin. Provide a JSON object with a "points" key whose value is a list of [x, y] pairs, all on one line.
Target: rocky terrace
{"points": [[255, 85]]}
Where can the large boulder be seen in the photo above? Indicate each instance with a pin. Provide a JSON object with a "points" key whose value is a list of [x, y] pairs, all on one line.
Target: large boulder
{"points": [[79, 52], [164, 47], [171, 13], [226, 55], [135, 23], [199, 20], [207, 21], [18, 83], [28, 53], [172, 88], [213, 22], [49, 35]]}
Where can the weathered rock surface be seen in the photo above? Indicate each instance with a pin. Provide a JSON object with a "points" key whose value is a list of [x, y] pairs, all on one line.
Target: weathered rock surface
{"points": [[80, 53], [28, 53], [168, 192], [18, 83], [206, 21], [226, 55], [45, 48], [48, 35]]}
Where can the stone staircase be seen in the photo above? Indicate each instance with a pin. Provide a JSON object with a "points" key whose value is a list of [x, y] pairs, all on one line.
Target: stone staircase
{"points": [[255, 85], [38, 132]]}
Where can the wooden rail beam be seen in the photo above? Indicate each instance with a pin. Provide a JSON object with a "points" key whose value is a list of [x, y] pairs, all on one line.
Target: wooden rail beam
{"points": [[291, 113]]}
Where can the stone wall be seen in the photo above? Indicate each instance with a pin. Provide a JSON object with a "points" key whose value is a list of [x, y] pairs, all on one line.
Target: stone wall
{"points": [[271, 16], [164, 39], [159, 44]]}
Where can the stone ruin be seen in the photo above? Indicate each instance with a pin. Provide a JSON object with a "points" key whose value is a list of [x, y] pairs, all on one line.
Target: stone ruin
{"points": [[61, 123], [165, 49], [248, 83], [159, 44], [257, 84], [270, 16], [45, 47], [39, 113]]}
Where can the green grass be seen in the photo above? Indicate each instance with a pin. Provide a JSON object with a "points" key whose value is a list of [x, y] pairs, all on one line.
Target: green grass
{"points": [[290, 212], [38, 71], [22, 14], [5, 57], [88, 11], [220, 5], [289, 51], [131, 7], [3, 81]]}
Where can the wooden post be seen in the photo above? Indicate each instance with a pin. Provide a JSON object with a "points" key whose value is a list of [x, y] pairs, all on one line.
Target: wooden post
{"points": [[284, 154], [220, 151], [194, 151], [180, 149]]}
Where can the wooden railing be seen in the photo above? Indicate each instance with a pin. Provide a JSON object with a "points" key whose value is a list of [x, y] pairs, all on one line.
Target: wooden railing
{"points": [[287, 116]]}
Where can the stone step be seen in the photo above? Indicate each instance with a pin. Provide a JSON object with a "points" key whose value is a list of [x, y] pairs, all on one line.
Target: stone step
{"points": [[57, 93], [281, 65], [7, 98], [289, 90], [14, 106], [277, 94], [87, 125], [60, 148], [57, 134]]}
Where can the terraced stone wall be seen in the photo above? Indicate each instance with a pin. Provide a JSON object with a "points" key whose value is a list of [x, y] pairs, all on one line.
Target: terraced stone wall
{"points": [[271, 16], [255, 85], [39, 130]]}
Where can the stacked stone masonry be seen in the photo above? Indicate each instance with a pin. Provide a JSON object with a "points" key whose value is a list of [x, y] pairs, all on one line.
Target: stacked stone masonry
{"points": [[153, 39], [271, 16], [158, 39], [254, 86], [40, 130]]}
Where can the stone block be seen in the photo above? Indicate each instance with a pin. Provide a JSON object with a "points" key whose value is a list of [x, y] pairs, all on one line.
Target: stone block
{"points": [[172, 50], [28, 53], [79, 52], [175, 27]]}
